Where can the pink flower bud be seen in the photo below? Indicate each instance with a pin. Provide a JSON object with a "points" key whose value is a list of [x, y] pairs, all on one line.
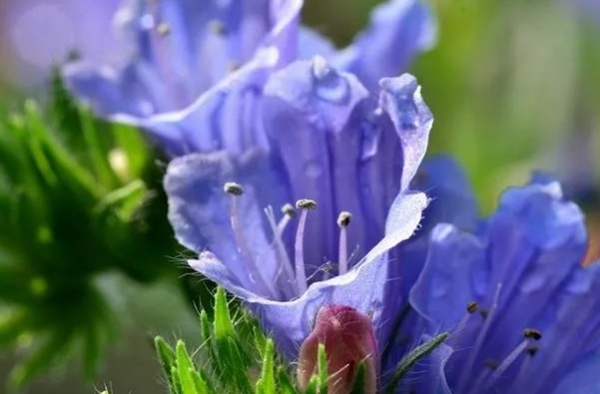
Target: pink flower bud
{"points": [[349, 340]]}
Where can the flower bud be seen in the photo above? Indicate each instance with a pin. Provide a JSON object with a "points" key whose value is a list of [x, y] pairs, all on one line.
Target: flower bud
{"points": [[349, 340]]}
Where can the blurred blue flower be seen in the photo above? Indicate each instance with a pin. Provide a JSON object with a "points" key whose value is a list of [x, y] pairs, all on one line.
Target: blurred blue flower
{"points": [[525, 315], [329, 145], [186, 54], [38, 34]]}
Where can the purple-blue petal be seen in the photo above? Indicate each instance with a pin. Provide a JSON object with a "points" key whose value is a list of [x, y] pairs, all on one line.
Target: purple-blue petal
{"points": [[401, 100], [582, 378], [361, 288], [309, 115], [181, 49], [445, 286], [201, 215], [399, 30]]}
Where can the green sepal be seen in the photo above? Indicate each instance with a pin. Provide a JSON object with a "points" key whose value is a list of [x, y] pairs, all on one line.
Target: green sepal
{"points": [[185, 366], [360, 380], [411, 359], [266, 383]]}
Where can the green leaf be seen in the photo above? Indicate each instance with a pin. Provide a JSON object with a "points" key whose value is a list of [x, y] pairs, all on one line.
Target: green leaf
{"points": [[411, 359], [200, 384], [285, 385], [52, 349], [266, 383], [223, 326], [97, 152], [323, 374], [185, 367], [360, 380], [167, 359]]}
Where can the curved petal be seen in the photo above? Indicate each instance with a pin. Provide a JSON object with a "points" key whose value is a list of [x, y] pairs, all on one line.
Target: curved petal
{"points": [[361, 288], [225, 117], [444, 288], [401, 100], [311, 43], [311, 113], [571, 324], [398, 31], [180, 50], [536, 240], [205, 217], [290, 322], [452, 198]]}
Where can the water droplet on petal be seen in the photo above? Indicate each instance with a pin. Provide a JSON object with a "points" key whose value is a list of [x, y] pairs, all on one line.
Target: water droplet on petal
{"points": [[313, 169], [147, 22], [329, 85], [532, 283]]}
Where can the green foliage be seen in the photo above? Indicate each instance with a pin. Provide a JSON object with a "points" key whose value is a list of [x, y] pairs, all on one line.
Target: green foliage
{"points": [[235, 356], [77, 201]]}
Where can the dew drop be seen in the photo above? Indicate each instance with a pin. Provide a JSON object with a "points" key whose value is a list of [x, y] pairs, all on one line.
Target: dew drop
{"points": [[313, 169], [147, 22], [329, 86]]}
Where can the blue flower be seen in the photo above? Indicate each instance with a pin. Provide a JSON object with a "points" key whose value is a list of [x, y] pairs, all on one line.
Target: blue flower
{"points": [[186, 54], [329, 145], [524, 313]]}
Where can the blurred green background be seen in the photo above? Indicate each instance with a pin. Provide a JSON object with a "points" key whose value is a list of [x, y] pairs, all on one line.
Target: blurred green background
{"points": [[513, 84]]}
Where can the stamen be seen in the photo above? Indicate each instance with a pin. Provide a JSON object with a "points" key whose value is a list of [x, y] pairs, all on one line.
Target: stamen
{"points": [[472, 307], [236, 190], [479, 341], [304, 205], [163, 29], [492, 363], [531, 351], [233, 188], [279, 247], [343, 222], [288, 214], [288, 210], [217, 27], [530, 334]]}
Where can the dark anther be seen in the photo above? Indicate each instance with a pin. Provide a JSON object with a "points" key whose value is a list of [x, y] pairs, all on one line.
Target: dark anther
{"points": [[532, 333], [472, 307], [491, 363], [288, 209], [532, 350], [218, 28], [344, 219], [233, 188], [305, 203], [484, 313]]}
